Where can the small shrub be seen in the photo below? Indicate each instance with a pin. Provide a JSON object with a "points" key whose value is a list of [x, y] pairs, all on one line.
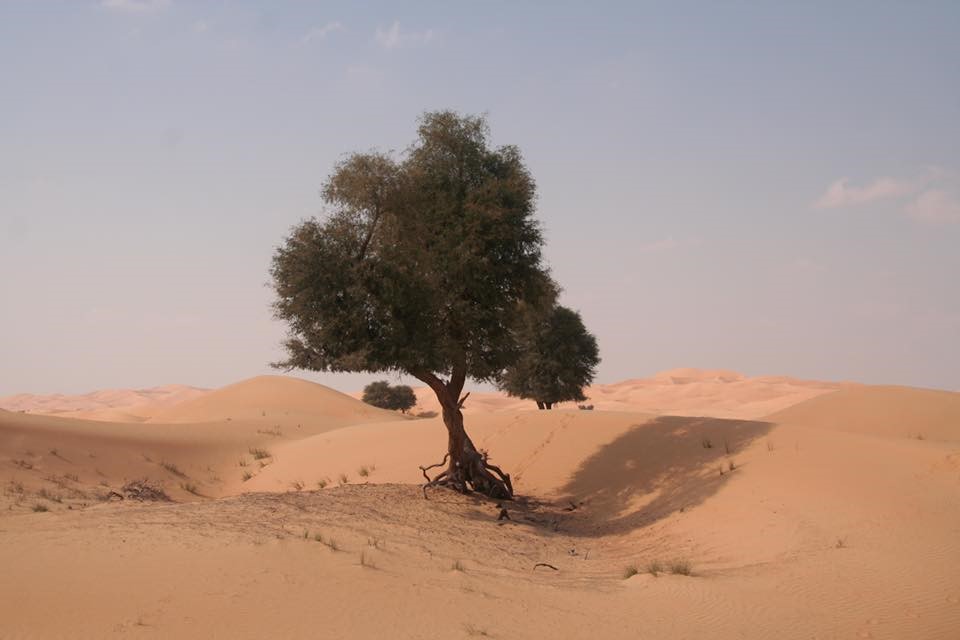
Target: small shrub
{"points": [[40, 508], [72, 477], [585, 407], [630, 571], [189, 487], [343, 479], [23, 464], [706, 443], [243, 462], [655, 568], [172, 468], [322, 483], [376, 543], [144, 491], [366, 561], [246, 475], [297, 485], [457, 566], [363, 472], [680, 568], [473, 630], [259, 454], [52, 497], [273, 431]]}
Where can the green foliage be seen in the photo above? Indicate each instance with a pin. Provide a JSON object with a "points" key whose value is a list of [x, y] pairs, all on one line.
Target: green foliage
{"points": [[559, 358], [423, 262], [381, 394]]}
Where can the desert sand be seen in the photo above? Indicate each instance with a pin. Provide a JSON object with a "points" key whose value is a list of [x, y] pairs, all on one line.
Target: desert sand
{"points": [[695, 504]]}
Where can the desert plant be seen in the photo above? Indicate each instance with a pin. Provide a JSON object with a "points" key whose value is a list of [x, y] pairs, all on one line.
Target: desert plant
{"points": [[189, 487], [47, 495], [706, 443], [654, 568], [246, 475], [558, 357], [381, 394], [343, 479], [172, 468], [297, 485], [258, 453], [680, 568], [322, 483], [408, 242], [40, 508], [364, 472], [585, 407], [457, 566], [367, 561], [630, 571]]}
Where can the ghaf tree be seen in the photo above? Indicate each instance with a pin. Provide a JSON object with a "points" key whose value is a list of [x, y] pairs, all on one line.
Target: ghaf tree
{"points": [[421, 267], [558, 358], [382, 394]]}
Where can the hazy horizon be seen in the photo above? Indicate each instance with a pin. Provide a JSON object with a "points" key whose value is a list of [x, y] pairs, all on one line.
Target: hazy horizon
{"points": [[770, 189]]}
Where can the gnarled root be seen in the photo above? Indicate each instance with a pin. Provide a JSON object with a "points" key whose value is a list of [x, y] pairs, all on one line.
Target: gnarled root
{"points": [[472, 472]]}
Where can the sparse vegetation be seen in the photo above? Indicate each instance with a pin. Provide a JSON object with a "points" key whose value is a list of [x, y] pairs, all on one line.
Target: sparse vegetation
{"points": [[272, 431], [258, 453], [172, 468], [330, 543], [680, 568], [23, 464], [473, 630], [145, 491], [364, 472], [297, 485], [72, 477], [47, 495], [189, 487], [367, 561], [585, 407], [630, 571], [457, 566], [243, 462], [376, 543], [322, 483], [246, 475], [40, 508], [343, 479], [654, 568], [706, 443]]}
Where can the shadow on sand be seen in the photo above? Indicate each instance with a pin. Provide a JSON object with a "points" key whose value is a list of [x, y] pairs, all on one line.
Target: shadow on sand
{"points": [[656, 468]]}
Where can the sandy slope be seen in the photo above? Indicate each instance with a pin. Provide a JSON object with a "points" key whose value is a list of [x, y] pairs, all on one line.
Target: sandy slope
{"points": [[817, 527]]}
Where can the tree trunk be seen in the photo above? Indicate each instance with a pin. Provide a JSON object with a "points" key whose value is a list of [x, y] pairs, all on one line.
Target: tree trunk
{"points": [[540, 405], [549, 405], [468, 468]]}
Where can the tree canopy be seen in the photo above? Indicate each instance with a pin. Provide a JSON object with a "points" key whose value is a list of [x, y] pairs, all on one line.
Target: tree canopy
{"points": [[382, 394], [421, 266], [558, 358]]}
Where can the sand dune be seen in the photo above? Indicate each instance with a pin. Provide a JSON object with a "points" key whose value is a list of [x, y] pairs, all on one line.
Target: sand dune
{"points": [[826, 519], [109, 405], [279, 399], [904, 412], [697, 392]]}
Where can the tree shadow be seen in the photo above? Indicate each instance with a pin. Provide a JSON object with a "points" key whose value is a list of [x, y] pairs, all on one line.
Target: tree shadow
{"points": [[668, 464]]}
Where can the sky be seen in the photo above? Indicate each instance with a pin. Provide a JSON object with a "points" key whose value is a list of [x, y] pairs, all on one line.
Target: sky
{"points": [[772, 188]]}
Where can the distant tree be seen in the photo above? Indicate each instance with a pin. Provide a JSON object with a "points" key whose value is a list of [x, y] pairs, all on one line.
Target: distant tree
{"points": [[378, 394], [402, 398], [559, 357], [421, 267], [381, 394]]}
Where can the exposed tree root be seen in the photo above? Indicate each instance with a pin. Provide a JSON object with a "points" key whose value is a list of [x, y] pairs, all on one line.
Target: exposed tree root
{"points": [[474, 473]]}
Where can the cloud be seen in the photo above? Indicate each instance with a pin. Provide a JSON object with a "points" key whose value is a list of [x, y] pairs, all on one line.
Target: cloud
{"points": [[394, 37], [136, 6], [928, 198], [935, 205], [842, 194], [319, 33]]}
